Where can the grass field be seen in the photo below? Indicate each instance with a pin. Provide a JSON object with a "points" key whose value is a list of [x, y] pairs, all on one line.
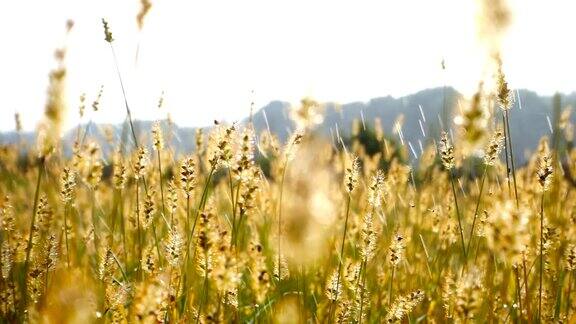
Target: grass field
{"points": [[249, 229]]}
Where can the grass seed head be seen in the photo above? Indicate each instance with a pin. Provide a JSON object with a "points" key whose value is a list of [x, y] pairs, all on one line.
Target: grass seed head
{"points": [[351, 174], [188, 175], [446, 152], [140, 163], [107, 32], [545, 169], [494, 148], [68, 183], [157, 137], [403, 306]]}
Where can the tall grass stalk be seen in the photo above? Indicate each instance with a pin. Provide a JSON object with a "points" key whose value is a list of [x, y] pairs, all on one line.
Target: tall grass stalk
{"points": [[200, 207], [128, 112], [66, 208], [157, 243], [360, 285], [509, 137], [464, 254], [161, 179], [41, 166], [541, 258], [94, 220], [139, 229], [518, 290], [240, 217], [568, 301], [123, 226], [280, 221], [526, 289], [477, 207], [507, 156], [390, 285], [341, 256], [232, 206], [206, 285]]}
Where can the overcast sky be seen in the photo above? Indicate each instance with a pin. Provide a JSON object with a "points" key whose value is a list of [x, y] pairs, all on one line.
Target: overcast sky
{"points": [[208, 56]]}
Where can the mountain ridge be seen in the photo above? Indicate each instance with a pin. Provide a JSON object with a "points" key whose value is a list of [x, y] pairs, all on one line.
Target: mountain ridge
{"points": [[423, 111]]}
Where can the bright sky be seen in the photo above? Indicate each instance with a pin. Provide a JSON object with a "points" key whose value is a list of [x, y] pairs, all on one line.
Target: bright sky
{"points": [[208, 56]]}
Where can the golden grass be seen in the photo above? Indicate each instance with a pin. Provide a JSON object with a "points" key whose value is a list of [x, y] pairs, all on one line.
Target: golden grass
{"points": [[324, 233]]}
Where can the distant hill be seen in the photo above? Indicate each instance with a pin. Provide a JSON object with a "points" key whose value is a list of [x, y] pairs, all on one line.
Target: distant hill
{"points": [[528, 123]]}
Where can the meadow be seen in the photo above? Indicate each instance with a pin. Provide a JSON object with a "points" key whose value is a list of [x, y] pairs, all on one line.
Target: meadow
{"points": [[247, 228]]}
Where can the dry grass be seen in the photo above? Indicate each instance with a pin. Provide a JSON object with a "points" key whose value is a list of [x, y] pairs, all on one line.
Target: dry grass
{"points": [[327, 234]]}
